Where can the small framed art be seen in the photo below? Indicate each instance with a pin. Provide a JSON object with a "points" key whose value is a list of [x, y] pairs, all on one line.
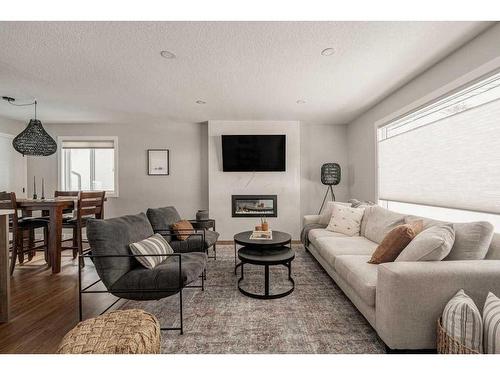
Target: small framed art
{"points": [[158, 162]]}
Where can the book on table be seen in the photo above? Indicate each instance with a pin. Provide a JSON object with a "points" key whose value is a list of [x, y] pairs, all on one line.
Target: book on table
{"points": [[261, 235]]}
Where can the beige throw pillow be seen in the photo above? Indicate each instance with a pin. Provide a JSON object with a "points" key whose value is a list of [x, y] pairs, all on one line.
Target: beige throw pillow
{"points": [[432, 244], [491, 321], [345, 220], [326, 215], [395, 241], [462, 320]]}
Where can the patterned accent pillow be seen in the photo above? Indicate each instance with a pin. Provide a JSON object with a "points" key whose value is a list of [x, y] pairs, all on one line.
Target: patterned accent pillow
{"points": [[345, 220], [155, 244], [491, 321], [395, 241], [328, 210], [183, 229], [462, 321]]}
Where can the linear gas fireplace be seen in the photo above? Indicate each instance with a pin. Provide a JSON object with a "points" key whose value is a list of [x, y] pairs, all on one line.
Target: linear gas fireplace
{"points": [[254, 205]]}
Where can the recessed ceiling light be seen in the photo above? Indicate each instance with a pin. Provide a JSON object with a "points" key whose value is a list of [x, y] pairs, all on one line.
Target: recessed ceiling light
{"points": [[201, 102], [328, 51], [167, 54], [300, 101]]}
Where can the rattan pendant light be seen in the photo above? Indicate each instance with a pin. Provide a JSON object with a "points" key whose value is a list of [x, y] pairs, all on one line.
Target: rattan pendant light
{"points": [[34, 140]]}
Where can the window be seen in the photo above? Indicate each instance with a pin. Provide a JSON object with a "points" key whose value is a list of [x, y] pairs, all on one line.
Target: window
{"points": [[443, 160], [89, 163]]}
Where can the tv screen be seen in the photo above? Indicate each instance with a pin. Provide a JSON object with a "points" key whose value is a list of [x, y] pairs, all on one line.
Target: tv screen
{"points": [[253, 153]]}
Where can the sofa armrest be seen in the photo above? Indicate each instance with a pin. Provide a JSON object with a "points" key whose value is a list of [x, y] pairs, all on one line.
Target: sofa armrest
{"points": [[311, 219], [411, 296]]}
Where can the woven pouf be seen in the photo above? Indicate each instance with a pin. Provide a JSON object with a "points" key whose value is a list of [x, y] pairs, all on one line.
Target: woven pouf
{"points": [[118, 332]]}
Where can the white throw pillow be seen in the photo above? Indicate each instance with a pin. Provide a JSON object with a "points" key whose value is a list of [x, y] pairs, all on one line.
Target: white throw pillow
{"points": [[345, 220], [462, 320], [434, 243], [491, 321], [327, 212], [155, 244]]}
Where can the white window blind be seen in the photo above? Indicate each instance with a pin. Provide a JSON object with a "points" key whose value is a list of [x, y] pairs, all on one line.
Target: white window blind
{"points": [[446, 154]]}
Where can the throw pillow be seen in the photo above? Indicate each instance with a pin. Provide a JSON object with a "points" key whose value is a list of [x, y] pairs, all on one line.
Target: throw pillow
{"points": [[461, 320], [472, 240], [395, 241], [327, 212], [155, 244], [345, 220], [491, 321], [433, 243], [182, 229]]}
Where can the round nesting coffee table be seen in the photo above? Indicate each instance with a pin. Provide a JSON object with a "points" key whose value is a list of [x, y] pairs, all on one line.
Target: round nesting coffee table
{"points": [[243, 239], [266, 257]]}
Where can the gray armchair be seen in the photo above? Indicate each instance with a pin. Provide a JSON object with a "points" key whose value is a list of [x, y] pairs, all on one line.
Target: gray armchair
{"points": [[162, 219], [124, 277]]}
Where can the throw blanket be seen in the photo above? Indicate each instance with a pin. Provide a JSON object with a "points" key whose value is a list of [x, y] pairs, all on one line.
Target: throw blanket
{"points": [[304, 235]]}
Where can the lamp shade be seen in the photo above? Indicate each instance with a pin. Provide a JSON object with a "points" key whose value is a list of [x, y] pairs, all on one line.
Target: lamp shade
{"points": [[34, 140], [330, 174]]}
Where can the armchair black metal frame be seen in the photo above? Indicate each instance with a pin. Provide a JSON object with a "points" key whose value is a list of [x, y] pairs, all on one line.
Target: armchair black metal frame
{"points": [[85, 290]]}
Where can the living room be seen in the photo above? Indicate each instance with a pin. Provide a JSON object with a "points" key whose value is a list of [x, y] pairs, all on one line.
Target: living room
{"points": [[238, 185]]}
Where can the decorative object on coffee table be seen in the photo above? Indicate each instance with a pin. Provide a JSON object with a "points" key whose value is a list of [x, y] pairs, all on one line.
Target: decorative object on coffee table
{"points": [[158, 162], [118, 332], [330, 176]]}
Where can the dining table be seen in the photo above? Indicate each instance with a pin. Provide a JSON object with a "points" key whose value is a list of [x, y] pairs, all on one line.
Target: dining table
{"points": [[53, 208]]}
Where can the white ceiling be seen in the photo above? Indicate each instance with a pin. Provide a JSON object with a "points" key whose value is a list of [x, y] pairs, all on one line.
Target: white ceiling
{"points": [[113, 72]]}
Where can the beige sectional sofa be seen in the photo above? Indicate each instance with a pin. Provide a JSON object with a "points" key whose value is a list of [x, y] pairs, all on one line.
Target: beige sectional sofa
{"points": [[403, 300]]}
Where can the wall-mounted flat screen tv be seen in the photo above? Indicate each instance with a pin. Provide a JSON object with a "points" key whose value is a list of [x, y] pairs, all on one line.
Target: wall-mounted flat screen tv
{"points": [[253, 153]]}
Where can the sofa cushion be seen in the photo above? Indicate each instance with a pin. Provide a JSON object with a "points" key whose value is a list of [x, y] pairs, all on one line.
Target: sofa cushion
{"points": [[378, 221], [331, 247], [359, 274], [472, 241], [433, 244], [345, 220], [315, 234], [395, 241]]}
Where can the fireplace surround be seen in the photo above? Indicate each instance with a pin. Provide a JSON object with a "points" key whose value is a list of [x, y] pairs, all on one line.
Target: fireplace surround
{"points": [[254, 205]]}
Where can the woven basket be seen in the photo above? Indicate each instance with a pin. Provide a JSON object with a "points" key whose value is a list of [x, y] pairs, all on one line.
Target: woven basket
{"points": [[118, 332], [448, 345]]}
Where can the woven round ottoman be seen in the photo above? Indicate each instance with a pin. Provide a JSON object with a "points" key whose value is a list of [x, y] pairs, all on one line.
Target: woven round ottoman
{"points": [[118, 332]]}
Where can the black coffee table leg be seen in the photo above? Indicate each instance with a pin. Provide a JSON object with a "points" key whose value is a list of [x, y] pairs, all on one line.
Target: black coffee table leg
{"points": [[266, 280]]}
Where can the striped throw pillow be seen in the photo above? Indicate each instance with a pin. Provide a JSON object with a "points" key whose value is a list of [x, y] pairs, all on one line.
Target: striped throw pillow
{"points": [[491, 320], [462, 321], [155, 244]]}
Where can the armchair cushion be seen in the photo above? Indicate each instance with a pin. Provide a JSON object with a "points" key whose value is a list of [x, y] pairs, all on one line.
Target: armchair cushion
{"points": [[164, 278], [192, 244], [163, 218], [112, 237]]}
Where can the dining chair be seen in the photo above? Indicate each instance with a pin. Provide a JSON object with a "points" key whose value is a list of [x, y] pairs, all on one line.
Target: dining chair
{"points": [[19, 226], [89, 205]]}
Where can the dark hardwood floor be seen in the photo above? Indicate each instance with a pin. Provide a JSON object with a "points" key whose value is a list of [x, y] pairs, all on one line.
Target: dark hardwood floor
{"points": [[45, 306]]}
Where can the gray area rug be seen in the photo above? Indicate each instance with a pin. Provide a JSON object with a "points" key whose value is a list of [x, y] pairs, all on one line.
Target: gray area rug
{"points": [[316, 318]]}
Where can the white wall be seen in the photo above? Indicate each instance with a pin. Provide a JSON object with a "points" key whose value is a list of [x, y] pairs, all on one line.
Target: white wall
{"points": [[361, 132], [284, 184], [9, 126], [321, 144], [13, 165], [185, 187]]}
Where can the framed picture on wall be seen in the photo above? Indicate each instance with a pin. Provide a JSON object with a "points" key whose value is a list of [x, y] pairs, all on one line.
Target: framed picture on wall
{"points": [[158, 162]]}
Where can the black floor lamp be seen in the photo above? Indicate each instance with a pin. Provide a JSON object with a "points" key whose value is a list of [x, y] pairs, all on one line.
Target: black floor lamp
{"points": [[330, 176]]}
